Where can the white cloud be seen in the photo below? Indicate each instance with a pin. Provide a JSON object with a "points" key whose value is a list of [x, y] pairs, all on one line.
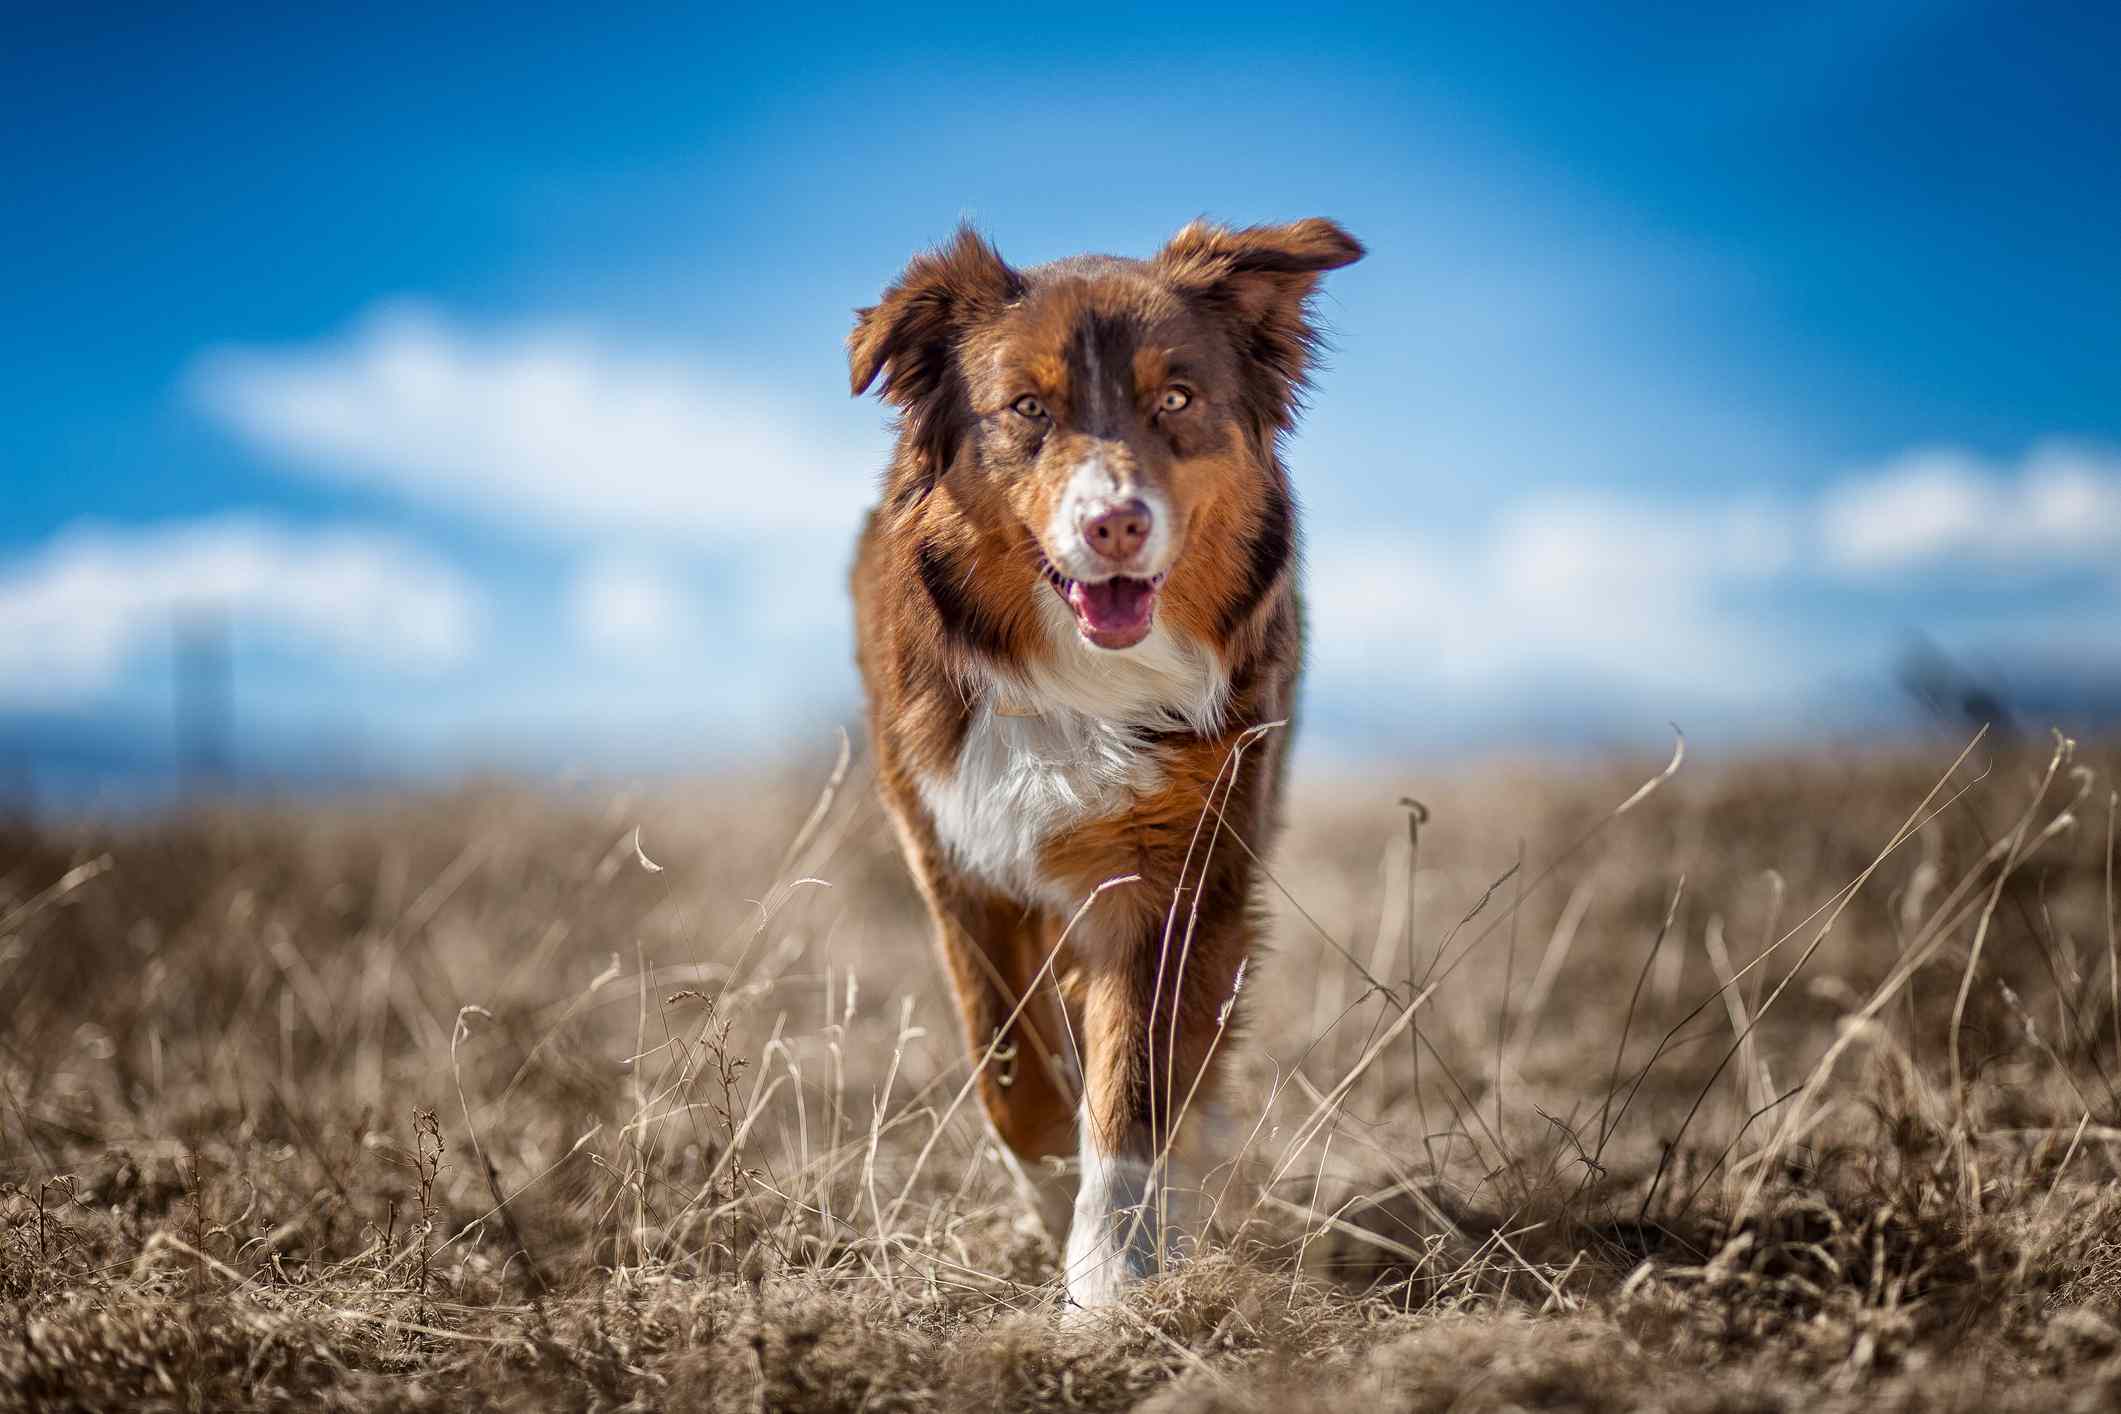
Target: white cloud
{"points": [[628, 608], [542, 428], [2059, 507], [1557, 546], [1699, 603], [1598, 588], [72, 614]]}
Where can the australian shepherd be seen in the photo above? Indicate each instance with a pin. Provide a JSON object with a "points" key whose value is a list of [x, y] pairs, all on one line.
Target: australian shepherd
{"points": [[1079, 631]]}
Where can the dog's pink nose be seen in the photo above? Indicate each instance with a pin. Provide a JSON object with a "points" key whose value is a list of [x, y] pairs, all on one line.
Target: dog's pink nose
{"points": [[1118, 533]]}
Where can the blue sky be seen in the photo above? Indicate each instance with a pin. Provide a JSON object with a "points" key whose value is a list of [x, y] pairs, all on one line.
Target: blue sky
{"points": [[484, 369]]}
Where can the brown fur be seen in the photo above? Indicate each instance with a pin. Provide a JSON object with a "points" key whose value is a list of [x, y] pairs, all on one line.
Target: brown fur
{"points": [[947, 583]]}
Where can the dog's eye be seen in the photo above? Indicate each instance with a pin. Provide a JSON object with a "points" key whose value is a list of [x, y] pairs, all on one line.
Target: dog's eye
{"points": [[1174, 399], [1028, 406]]}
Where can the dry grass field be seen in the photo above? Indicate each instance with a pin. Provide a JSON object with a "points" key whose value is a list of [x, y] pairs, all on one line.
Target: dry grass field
{"points": [[1794, 1085]]}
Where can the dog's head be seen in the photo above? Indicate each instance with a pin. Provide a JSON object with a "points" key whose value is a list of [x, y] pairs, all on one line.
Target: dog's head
{"points": [[1095, 417]]}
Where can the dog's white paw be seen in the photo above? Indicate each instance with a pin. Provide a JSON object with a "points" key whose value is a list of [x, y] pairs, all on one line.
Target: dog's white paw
{"points": [[1116, 1238]]}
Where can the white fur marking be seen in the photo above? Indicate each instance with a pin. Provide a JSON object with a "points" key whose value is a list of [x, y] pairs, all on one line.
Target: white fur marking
{"points": [[1021, 779], [1164, 680], [1018, 780], [1091, 489], [1116, 1237]]}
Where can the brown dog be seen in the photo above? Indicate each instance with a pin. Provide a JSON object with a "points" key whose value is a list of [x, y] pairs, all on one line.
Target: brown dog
{"points": [[1074, 602]]}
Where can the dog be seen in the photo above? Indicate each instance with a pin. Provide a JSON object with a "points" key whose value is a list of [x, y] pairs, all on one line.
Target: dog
{"points": [[1079, 634]]}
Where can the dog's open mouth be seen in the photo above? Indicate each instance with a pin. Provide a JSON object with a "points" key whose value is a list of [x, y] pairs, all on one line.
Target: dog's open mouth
{"points": [[1112, 613]]}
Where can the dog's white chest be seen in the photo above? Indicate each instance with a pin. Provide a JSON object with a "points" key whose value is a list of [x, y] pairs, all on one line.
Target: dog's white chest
{"points": [[1021, 780], [1076, 755]]}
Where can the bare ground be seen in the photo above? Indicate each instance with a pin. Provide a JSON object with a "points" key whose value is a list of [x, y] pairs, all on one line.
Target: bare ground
{"points": [[1792, 1086]]}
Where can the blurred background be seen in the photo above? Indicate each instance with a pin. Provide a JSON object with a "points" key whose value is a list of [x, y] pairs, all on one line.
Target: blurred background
{"points": [[413, 394]]}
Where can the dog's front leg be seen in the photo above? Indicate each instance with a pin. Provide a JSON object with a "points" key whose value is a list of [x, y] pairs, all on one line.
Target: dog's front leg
{"points": [[1152, 1011]]}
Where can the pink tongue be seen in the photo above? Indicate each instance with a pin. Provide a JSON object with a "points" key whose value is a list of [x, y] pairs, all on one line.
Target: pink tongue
{"points": [[1114, 606]]}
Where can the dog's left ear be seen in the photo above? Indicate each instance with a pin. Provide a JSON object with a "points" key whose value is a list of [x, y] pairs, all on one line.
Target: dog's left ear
{"points": [[910, 337], [1262, 277]]}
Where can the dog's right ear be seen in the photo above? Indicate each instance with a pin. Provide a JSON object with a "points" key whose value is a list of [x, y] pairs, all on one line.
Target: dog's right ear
{"points": [[910, 336], [909, 333]]}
